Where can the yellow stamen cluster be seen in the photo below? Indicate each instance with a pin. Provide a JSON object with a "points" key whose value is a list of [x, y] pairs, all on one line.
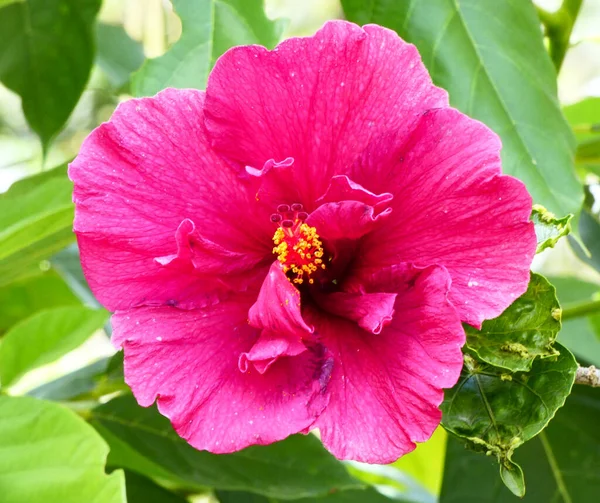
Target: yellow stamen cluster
{"points": [[299, 251]]}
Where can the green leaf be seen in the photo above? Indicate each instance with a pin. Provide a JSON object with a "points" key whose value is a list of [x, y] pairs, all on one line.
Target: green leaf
{"points": [[143, 490], [490, 57], [6, 2], [51, 455], [525, 331], [118, 54], [426, 463], [68, 265], [368, 495], [36, 217], [44, 212], [73, 385], [209, 28], [23, 298], [45, 337], [100, 378], [496, 411], [561, 462], [589, 229], [578, 333], [46, 54], [584, 118], [24, 186], [588, 152], [294, 468], [548, 228]]}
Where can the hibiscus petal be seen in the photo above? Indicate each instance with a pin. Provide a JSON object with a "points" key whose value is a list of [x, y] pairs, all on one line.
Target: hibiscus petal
{"points": [[203, 254], [345, 220], [274, 184], [268, 349], [317, 99], [372, 311], [385, 389], [188, 362], [137, 178], [277, 308], [452, 208], [341, 188]]}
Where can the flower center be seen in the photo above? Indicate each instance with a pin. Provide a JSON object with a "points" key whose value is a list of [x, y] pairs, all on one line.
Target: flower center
{"points": [[297, 245]]}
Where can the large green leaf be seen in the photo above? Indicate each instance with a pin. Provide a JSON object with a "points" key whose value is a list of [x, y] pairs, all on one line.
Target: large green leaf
{"points": [[561, 462], [36, 217], [51, 455], [526, 330], [23, 298], [46, 54], [45, 337], [491, 58], [496, 411], [209, 28], [296, 467]]}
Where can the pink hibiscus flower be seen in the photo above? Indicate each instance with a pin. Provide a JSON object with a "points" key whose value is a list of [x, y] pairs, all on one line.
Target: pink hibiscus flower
{"points": [[296, 247]]}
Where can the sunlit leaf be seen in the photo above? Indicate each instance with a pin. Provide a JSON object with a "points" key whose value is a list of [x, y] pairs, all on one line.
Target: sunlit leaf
{"points": [[21, 299], [36, 218], [491, 58], [45, 337], [51, 455]]}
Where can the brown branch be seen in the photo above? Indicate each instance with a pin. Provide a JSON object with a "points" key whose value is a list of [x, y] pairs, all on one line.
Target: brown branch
{"points": [[590, 376]]}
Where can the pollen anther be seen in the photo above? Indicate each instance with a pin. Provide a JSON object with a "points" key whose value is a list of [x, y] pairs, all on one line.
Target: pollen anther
{"points": [[297, 245]]}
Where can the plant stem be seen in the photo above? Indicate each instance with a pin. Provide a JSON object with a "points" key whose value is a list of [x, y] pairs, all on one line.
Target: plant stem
{"points": [[590, 376], [558, 26], [580, 309]]}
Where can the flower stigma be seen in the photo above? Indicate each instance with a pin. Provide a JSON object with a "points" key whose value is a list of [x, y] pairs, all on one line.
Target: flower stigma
{"points": [[297, 244]]}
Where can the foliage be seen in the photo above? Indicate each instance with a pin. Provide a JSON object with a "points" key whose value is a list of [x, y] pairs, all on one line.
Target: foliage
{"points": [[35, 36], [82, 436], [210, 27], [48, 451], [504, 78]]}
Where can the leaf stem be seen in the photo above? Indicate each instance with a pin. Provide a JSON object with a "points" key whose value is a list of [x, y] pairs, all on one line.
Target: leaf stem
{"points": [[580, 309], [590, 376], [558, 26]]}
